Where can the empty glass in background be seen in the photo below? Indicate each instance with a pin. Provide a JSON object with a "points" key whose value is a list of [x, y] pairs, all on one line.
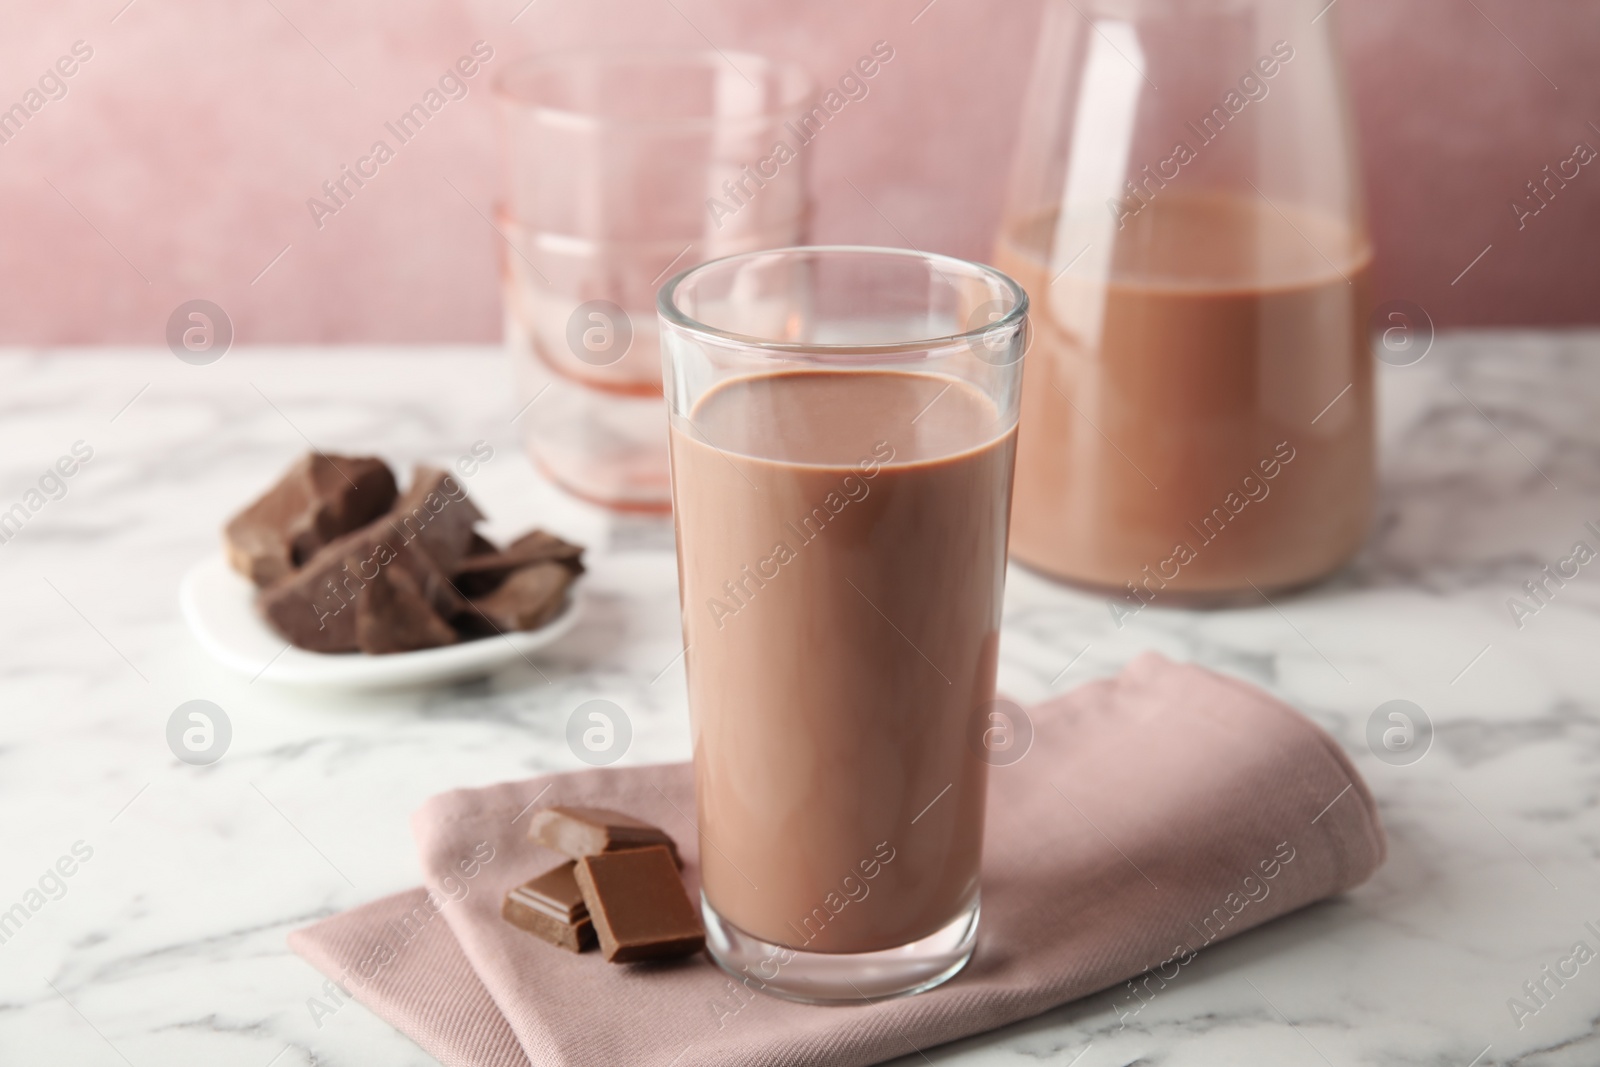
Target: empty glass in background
{"points": [[1186, 215], [623, 168]]}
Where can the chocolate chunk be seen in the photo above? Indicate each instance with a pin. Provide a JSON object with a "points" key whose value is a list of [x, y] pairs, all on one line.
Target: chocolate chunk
{"points": [[319, 498], [482, 572], [527, 600], [551, 907], [481, 545], [579, 832], [434, 512], [428, 531], [393, 615], [639, 906], [315, 607]]}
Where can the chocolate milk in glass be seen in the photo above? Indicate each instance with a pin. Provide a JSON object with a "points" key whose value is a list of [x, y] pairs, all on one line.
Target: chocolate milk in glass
{"points": [[842, 617], [1199, 419]]}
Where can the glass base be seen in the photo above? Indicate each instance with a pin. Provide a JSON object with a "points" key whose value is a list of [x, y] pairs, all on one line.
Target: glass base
{"points": [[841, 977]]}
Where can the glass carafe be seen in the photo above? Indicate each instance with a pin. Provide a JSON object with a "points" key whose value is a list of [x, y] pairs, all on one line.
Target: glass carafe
{"points": [[1186, 215]]}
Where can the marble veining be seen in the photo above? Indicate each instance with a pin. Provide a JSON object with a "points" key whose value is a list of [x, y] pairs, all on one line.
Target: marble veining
{"points": [[166, 946]]}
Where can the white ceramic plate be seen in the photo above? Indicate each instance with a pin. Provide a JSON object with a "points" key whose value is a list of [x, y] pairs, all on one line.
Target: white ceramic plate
{"points": [[219, 606]]}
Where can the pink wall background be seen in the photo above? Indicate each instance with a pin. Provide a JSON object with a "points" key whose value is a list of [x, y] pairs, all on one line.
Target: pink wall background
{"points": [[179, 161]]}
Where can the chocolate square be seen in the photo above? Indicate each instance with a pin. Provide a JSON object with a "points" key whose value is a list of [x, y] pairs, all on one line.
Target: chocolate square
{"points": [[551, 907], [638, 905]]}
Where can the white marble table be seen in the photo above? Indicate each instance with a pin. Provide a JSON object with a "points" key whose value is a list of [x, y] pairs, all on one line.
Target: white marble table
{"points": [[167, 944]]}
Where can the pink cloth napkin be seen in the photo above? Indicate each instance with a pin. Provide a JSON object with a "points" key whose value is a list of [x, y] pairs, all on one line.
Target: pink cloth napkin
{"points": [[1157, 812]]}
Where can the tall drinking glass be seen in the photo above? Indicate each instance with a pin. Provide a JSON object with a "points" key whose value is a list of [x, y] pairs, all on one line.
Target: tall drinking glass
{"points": [[842, 426], [623, 167]]}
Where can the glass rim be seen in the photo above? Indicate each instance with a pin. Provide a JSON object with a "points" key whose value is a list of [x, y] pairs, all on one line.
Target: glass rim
{"points": [[688, 58], [1015, 316]]}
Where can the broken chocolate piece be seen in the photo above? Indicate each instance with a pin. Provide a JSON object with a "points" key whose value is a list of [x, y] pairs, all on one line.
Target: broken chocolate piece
{"points": [[315, 607], [428, 530], [638, 905], [393, 615], [579, 832], [319, 498], [434, 512], [527, 600], [482, 572], [346, 564], [551, 907]]}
